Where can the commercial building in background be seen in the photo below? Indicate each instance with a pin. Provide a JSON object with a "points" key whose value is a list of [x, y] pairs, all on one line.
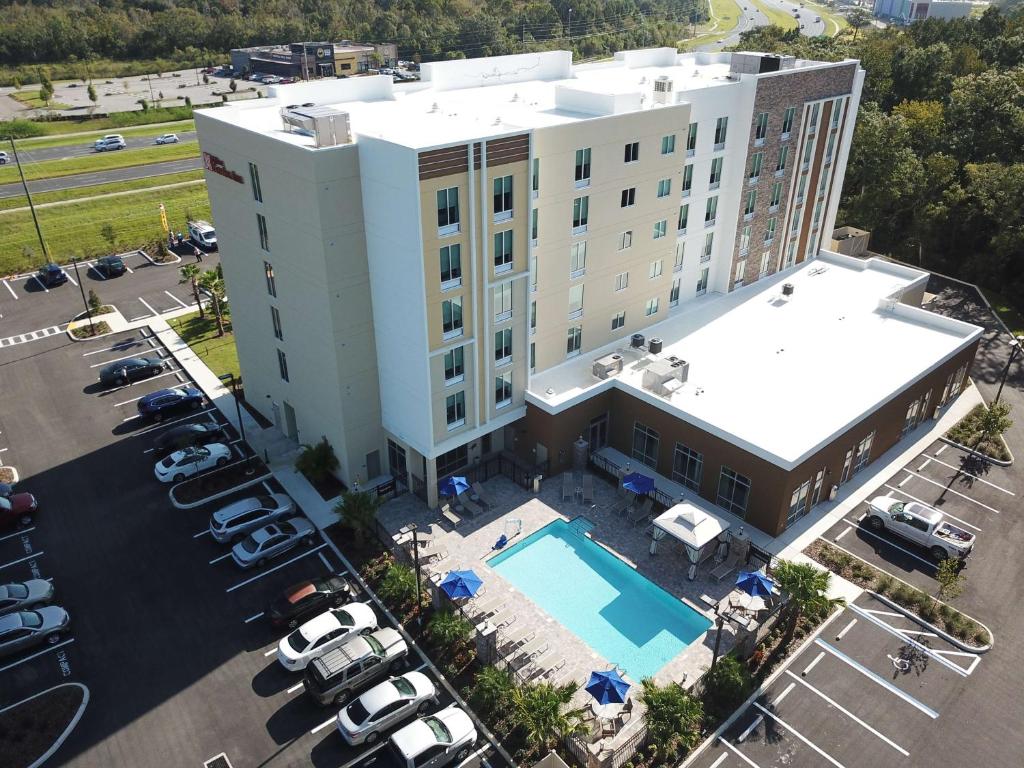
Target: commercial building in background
{"points": [[516, 252], [907, 11], [310, 61]]}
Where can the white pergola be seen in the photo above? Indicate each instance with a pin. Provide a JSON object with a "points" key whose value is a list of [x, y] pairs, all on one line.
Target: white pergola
{"points": [[695, 526]]}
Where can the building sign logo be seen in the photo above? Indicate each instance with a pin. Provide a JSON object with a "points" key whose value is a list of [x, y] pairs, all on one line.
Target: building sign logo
{"points": [[215, 165]]}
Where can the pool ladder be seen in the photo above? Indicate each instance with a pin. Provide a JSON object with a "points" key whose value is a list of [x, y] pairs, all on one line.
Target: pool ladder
{"points": [[581, 526]]}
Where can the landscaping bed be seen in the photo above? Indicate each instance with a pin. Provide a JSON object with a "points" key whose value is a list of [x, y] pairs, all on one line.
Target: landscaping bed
{"points": [[29, 729], [87, 331], [969, 433], [943, 616], [218, 481], [8, 475]]}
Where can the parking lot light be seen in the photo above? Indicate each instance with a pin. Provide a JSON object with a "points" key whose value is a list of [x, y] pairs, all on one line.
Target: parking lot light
{"points": [[78, 279], [416, 565], [1015, 347], [233, 383]]}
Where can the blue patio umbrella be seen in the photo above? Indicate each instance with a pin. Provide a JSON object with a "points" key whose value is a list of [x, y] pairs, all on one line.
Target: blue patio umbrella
{"points": [[755, 583], [638, 483], [453, 486], [607, 687], [461, 584]]}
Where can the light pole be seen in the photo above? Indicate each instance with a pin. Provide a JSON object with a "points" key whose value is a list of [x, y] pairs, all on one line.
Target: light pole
{"points": [[78, 279], [1015, 347], [416, 567], [230, 377], [569, 28], [720, 621]]}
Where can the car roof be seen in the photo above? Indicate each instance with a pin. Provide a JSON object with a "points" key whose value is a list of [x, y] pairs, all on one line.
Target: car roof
{"points": [[236, 508], [319, 626], [305, 590], [385, 693], [10, 622]]}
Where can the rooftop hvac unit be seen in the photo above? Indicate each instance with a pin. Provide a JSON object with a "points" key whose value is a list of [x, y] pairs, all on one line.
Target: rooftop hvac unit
{"points": [[654, 346], [607, 366], [663, 90], [636, 340], [663, 377], [787, 289], [327, 125]]}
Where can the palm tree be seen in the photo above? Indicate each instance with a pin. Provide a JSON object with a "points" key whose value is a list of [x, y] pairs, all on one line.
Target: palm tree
{"points": [[213, 282], [858, 18], [673, 718], [492, 692], [398, 585], [190, 274], [448, 630], [358, 511], [806, 590], [542, 711]]}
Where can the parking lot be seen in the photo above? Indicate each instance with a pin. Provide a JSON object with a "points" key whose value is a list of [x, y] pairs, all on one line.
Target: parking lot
{"points": [[874, 688], [166, 631]]}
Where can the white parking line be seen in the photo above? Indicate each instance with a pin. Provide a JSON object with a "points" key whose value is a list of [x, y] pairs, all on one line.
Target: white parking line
{"points": [[845, 629], [898, 633], [165, 424], [943, 447], [53, 647], [22, 559], [800, 736], [294, 688], [760, 718], [275, 568], [40, 283], [121, 346], [222, 557], [126, 402], [924, 464], [957, 493], [946, 514], [842, 533], [108, 362], [877, 678], [849, 714], [904, 550], [204, 532], [130, 270], [22, 532], [98, 273], [146, 305], [71, 279], [739, 754], [183, 304], [885, 613], [325, 561], [322, 725], [720, 760], [140, 317], [364, 755], [813, 664], [906, 479], [270, 653], [253, 618], [971, 474], [922, 633], [8, 286]]}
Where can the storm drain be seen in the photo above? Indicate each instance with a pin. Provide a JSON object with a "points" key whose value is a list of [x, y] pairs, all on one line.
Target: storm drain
{"points": [[219, 761]]}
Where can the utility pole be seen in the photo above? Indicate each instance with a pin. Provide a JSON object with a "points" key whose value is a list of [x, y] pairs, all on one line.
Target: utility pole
{"points": [[31, 206], [569, 28]]}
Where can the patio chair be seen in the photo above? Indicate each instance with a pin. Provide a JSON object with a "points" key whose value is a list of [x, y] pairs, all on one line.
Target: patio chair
{"points": [[641, 514], [431, 554], [423, 538], [481, 494], [588, 489], [626, 713], [485, 609], [514, 640], [551, 672], [568, 487], [451, 517], [469, 505], [725, 567]]}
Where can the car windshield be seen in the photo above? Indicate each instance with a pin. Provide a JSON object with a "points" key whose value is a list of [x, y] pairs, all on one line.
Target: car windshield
{"points": [[404, 687], [266, 502], [357, 712], [5, 505], [249, 544], [19, 591], [344, 618], [441, 733], [297, 641], [375, 645], [31, 619]]}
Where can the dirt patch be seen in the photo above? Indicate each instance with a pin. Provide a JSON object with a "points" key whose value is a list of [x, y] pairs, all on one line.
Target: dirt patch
{"points": [[218, 481], [31, 728]]}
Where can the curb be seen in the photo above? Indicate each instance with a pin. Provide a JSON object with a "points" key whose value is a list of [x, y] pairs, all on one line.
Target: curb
{"points": [[192, 505], [152, 263], [70, 727], [985, 456], [115, 326], [940, 632]]}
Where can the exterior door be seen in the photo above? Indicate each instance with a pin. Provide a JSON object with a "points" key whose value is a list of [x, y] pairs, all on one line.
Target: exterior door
{"points": [[372, 465], [290, 427], [598, 437], [277, 414]]}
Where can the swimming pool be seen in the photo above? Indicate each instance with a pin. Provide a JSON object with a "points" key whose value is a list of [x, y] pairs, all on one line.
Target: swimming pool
{"points": [[620, 614]]}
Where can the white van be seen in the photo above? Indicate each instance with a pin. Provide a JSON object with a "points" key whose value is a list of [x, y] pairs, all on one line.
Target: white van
{"points": [[203, 234]]}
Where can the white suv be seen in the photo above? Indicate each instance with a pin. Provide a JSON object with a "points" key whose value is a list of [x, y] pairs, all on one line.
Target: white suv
{"points": [[110, 142]]}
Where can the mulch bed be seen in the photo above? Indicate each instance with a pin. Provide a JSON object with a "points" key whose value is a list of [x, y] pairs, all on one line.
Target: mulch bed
{"points": [[28, 730], [7, 475], [98, 328], [218, 481]]}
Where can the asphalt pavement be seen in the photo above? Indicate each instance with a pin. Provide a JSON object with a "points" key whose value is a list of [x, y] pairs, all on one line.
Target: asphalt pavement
{"points": [[85, 147], [103, 177], [751, 17]]}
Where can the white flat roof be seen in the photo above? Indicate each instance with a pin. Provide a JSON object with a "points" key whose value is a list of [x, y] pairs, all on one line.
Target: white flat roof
{"points": [[479, 98], [781, 377]]}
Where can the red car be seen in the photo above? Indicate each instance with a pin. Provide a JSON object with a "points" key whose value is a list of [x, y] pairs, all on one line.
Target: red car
{"points": [[17, 509]]}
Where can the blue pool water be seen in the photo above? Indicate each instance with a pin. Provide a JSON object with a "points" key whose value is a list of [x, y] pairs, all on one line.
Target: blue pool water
{"points": [[616, 611]]}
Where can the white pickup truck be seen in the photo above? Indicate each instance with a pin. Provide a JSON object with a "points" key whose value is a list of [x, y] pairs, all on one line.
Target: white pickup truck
{"points": [[922, 525]]}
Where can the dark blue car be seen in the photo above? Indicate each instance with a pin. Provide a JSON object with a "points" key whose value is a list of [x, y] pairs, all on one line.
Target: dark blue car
{"points": [[51, 275], [164, 402]]}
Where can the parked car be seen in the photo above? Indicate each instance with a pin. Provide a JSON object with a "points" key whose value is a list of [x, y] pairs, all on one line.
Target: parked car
{"points": [[386, 705], [51, 275], [240, 517], [433, 741], [324, 633], [203, 234], [190, 462], [164, 402], [110, 142], [922, 525], [110, 266], [361, 660], [308, 598], [17, 509], [271, 541], [23, 595], [133, 369], [26, 629], [4, 158], [188, 436], [167, 138]]}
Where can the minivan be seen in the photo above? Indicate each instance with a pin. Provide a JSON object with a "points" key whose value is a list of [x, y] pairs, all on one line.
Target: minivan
{"points": [[109, 142]]}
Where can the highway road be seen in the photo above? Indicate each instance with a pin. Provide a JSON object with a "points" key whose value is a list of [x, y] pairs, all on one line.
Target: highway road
{"points": [[103, 177], [68, 151], [751, 17]]}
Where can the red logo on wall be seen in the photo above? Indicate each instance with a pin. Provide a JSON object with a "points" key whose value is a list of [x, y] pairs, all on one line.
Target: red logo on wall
{"points": [[215, 165]]}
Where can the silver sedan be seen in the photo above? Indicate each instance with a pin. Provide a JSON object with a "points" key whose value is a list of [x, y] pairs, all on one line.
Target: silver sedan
{"points": [[26, 629], [22, 595]]}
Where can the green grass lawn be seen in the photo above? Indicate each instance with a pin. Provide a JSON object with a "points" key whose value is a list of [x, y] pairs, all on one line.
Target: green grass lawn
{"points": [[180, 126], [725, 16], [1006, 311], [834, 22], [776, 16], [32, 99], [218, 352], [76, 228], [118, 120], [101, 161], [8, 203]]}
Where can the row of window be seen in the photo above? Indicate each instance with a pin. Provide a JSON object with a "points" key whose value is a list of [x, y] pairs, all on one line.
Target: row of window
{"points": [[455, 403]]}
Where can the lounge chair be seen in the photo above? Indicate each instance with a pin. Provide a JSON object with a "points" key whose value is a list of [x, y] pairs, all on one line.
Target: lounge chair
{"points": [[640, 515], [725, 567], [431, 554], [568, 486], [481, 494], [423, 538], [469, 505], [514, 640], [588, 489], [451, 517], [484, 609]]}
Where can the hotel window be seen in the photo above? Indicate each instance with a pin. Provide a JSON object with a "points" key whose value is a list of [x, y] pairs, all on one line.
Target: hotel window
{"points": [[798, 502], [503, 198], [766, 259], [816, 496], [275, 319], [776, 197], [691, 140], [574, 341], [534, 214], [580, 210], [801, 187], [632, 152], [582, 172], [673, 293], [911, 419], [755, 165], [451, 266], [733, 492], [577, 259], [261, 225], [254, 177], [684, 215], [817, 213], [760, 127], [812, 124], [454, 368], [837, 110], [268, 272], [503, 389], [533, 316], [535, 176], [668, 144], [455, 410], [787, 121], [795, 224], [451, 317], [830, 148], [533, 272], [622, 281], [450, 461], [660, 228], [769, 232], [645, 445], [618, 320], [687, 179], [737, 277], [721, 128], [677, 265], [808, 149], [847, 465], [709, 243], [780, 166], [745, 239], [575, 301], [447, 211], [702, 282], [533, 356], [711, 210], [625, 239], [664, 187], [502, 301], [503, 251], [652, 307], [716, 173], [655, 269], [503, 347], [862, 455], [282, 364], [748, 209], [687, 467], [628, 197]]}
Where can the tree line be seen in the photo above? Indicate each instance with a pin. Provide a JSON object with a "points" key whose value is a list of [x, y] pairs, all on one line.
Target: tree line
{"points": [[936, 168]]}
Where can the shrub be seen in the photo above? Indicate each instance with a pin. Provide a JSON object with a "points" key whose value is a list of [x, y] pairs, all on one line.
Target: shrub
{"points": [[317, 461], [20, 129], [950, 578], [884, 585], [674, 718], [398, 586], [725, 687], [358, 512], [94, 301], [492, 692], [449, 630]]}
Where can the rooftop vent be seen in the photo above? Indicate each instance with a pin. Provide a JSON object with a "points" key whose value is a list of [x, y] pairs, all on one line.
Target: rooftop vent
{"points": [[665, 378], [654, 346], [607, 366], [327, 125], [434, 108], [662, 89], [787, 289], [636, 340], [309, 104]]}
